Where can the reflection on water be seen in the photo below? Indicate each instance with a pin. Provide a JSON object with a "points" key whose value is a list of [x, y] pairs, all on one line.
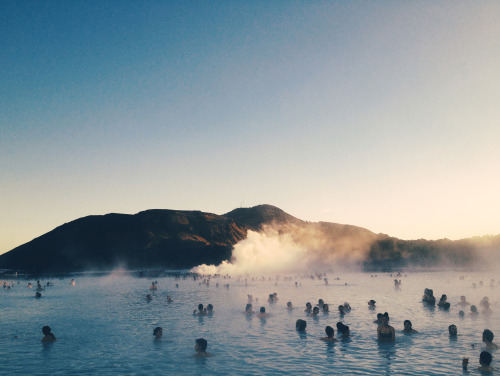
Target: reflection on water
{"points": [[104, 326]]}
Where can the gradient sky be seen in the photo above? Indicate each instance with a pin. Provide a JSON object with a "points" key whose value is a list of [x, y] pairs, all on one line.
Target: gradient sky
{"points": [[384, 115]]}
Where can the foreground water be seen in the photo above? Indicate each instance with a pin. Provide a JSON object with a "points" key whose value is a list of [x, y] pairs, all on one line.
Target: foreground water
{"points": [[104, 326]]}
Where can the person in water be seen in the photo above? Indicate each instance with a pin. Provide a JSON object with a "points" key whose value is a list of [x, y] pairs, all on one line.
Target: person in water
{"points": [[488, 340], [378, 321], [329, 335], [289, 306], [210, 308], [452, 330], [200, 310], [463, 302], [485, 359], [343, 330], [200, 345], [473, 311], [248, 309], [408, 327], [48, 335], [314, 312], [263, 313], [371, 304], [442, 301], [385, 332], [38, 294], [341, 310], [487, 310], [325, 308], [300, 325], [158, 333], [308, 308]]}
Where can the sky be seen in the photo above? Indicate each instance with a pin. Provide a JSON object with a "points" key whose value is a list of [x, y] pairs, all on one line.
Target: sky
{"points": [[383, 115]]}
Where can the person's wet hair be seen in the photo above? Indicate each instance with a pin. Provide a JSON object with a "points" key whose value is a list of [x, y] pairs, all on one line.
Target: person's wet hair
{"points": [[157, 330], [473, 308], [210, 307], [262, 309], [452, 329], [329, 331], [200, 307], [341, 327], [300, 325], [202, 344], [488, 335], [407, 322], [485, 358]]}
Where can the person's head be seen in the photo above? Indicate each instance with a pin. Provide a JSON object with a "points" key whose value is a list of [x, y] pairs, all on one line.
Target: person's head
{"points": [[316, 310], [271, 296], [371, 303], [46, 330], [201, 345], [210, 308], [300, 325], [407, 325], [379, 316], [485, 358], [321, 302], [308, 305], [200, 307], [462, 298], [386, 315], [38, 295], [473, 308], [443, 297], [461, 313], [488, 335], [341, 308], [325, 308], [248, 307], [158, 332], [329, 331], [262, 309], [452, 329], [342, 328], [289, 304], [385, 320]]}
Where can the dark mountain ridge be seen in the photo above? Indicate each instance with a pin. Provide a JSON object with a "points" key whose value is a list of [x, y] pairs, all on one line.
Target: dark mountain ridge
{"points": [[175, 239]]}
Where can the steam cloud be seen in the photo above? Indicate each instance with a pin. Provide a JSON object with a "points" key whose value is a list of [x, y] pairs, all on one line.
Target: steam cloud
{"points": [[293, 248]]}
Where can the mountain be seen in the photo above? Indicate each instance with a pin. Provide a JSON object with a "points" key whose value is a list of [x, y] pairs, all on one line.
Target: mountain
{"points": [[175, 239]]}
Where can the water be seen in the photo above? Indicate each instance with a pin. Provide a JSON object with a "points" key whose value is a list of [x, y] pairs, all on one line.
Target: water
{"points": [[104, 326]]}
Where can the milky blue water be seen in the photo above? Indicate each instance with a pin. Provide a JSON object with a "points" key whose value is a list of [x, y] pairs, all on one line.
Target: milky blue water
{"points": [[104, 326]]}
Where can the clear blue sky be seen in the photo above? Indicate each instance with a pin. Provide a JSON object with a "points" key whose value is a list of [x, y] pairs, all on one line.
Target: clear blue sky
{"points": [[384, 115]]}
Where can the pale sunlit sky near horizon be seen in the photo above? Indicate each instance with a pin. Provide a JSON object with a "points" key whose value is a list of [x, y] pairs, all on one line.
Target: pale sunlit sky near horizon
{"points": [[384, 115]]}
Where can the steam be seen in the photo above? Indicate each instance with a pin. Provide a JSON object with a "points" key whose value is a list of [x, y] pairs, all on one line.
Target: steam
{"points": [[281, 248]]}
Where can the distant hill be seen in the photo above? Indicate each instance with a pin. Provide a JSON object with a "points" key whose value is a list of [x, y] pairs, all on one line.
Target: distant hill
{"points": [[174, 239]]}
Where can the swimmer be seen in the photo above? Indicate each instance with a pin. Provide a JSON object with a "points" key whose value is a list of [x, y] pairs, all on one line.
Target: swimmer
{"points": [[484, 301], [308, 308], [158, 333], [289, 306], [341, 310], [347, 307], [461, 313], [371, 304], [408, 327], [314, 312], [300, 325], [343, 330], [48, 336], [385, 332], [325, 308], [473, 311], [488, 340], [248, 309], [200, 345], [320, 304], [200, 311], [263, 313], [487, 310], [442, 301], [38, 295], [169, 299], [329, 335], [463, 302], [210, 308], [485, 359], [452, 330], [379, 319], [149, 297]]}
